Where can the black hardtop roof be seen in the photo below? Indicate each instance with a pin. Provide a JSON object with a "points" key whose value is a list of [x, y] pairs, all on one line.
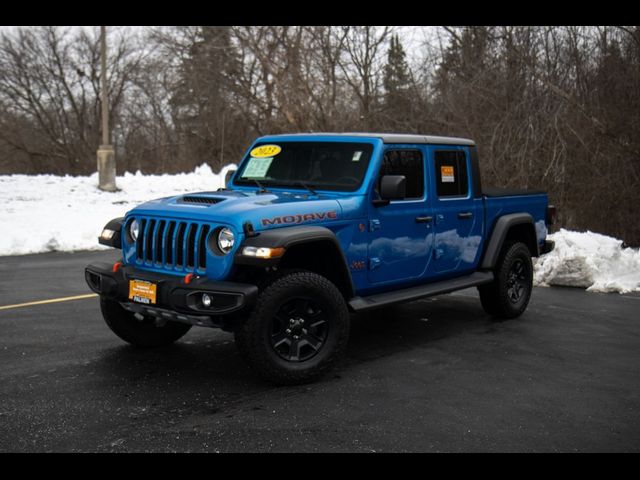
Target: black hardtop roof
{"points": [[391, 137]]}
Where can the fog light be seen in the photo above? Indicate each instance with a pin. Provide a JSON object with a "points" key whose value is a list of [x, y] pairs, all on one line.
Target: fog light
{"points": [[206, 300]]}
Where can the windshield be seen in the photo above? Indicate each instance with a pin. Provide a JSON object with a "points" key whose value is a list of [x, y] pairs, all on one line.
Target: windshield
{"points": [[321, 165]]}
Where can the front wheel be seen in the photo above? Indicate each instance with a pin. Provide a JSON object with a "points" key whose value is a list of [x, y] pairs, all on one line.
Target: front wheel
{"points": [[138, 330], [509, 294], [298, 329]]}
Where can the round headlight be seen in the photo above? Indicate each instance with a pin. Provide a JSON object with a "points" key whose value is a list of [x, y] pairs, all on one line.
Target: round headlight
{"points": [[226, 240], [134, 229]]}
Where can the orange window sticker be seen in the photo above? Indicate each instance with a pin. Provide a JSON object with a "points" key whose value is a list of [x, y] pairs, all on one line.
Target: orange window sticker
{"points": [[447, 174], [265, 151]]}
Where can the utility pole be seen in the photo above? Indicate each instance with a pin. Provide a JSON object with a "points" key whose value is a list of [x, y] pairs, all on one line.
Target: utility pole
{"points": [[106, 153]]}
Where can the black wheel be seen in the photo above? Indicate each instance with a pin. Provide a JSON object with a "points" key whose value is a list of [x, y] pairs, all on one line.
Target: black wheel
{"points": [[138, 330], [508, 295], [298, 329]]}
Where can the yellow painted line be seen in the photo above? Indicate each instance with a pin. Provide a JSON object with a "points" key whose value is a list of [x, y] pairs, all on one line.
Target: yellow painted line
{"points": [[45, 302]]}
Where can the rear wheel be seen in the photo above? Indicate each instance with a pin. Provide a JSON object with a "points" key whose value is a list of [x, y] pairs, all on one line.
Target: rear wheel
{"points": [[509, 294], [298, 329], [138, 330]]}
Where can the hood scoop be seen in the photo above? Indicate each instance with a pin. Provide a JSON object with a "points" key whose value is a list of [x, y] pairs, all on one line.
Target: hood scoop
{"points": [[200, 200]]}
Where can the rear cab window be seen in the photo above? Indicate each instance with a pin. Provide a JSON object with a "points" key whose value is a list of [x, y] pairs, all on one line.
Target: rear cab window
{"points": [[451, 173]]}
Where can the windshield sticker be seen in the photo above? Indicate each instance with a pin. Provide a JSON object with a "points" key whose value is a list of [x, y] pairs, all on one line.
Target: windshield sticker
{"points": [[257, 167], [446, 172], [356, 156], [265, 151]]}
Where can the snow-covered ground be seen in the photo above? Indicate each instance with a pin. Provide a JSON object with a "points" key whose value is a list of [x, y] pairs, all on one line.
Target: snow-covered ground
{"points": [[42, 213]]}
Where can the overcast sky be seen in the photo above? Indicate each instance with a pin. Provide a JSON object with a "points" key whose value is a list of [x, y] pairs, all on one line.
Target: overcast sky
{"points": [[413, 38]]}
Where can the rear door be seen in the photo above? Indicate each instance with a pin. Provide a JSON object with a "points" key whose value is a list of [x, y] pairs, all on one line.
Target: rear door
{"points": [[400, 238], [458, 215]]}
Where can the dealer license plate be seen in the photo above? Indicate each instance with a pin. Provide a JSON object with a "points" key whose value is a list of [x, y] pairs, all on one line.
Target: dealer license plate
{"points": [[142, 291]]}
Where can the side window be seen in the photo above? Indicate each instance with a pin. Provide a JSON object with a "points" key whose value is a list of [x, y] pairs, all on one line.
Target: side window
{"points": [[451, 173], [408, 163]]}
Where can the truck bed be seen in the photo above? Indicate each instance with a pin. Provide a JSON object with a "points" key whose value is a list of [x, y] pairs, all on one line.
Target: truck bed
{"points": [[504, 201], [508, 192]]}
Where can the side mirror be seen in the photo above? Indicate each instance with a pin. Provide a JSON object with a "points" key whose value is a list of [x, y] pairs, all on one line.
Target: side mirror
{"points": [[392, 187], [228, 175]]}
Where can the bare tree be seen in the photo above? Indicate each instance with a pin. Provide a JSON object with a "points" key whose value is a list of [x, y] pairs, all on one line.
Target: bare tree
{"points": [[550, 107], [362, 66], [49, 80]]}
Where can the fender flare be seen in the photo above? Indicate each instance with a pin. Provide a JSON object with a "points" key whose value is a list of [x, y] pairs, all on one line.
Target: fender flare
{"points": [[499, 234], [116, 240], [288, 237]]}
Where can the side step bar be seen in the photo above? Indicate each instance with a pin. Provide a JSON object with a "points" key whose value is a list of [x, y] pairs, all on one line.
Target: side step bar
{"points": [[358, 304]]}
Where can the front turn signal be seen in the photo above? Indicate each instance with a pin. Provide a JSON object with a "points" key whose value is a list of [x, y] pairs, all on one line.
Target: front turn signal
{"points": [[263, 252]]}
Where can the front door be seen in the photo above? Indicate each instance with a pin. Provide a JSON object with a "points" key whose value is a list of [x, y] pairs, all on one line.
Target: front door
{"points": [[401, 238]]}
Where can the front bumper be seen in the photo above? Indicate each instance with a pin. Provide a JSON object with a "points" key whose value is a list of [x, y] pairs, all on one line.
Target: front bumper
{"points": [[175, 299]]}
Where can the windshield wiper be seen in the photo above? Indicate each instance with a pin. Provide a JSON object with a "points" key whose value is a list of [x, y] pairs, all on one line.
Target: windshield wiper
{"points": [[304, 185], [260, 186], [296, 183]]}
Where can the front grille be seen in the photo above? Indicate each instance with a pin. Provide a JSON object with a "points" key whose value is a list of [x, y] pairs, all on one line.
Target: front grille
{"points": [[172, 244]]}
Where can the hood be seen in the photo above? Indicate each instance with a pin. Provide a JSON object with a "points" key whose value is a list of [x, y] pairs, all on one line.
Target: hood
{"points": [[263, 210]]}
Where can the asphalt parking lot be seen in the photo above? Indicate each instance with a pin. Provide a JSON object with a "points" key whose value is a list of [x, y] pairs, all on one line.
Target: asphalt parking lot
{"points": [[432, 375]]}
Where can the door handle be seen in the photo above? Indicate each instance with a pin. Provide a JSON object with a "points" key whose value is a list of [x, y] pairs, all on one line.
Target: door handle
{"points": [[465, 215], [423, 219]]}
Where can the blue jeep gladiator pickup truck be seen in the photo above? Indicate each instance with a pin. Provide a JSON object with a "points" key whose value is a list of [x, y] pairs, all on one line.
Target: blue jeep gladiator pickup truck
{"points": [[310, 228]]}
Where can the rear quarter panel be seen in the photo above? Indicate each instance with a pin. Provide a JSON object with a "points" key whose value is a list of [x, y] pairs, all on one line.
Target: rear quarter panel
{"points": [[534, 204]]}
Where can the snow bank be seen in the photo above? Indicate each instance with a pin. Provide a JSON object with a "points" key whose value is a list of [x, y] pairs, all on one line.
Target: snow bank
{"points": [[41, 213], [589, 260]]}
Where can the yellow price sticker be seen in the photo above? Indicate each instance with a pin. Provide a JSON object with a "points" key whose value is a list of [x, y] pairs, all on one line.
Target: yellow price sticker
{"points": [[265, 151]]}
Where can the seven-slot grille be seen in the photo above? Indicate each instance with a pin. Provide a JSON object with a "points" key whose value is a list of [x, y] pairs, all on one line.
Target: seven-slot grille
{"points": [[174, 244]]}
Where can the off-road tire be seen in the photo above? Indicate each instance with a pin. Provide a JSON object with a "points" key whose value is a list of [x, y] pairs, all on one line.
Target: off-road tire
{"points": [[509, 294], [326, 316], [140, 333]]}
